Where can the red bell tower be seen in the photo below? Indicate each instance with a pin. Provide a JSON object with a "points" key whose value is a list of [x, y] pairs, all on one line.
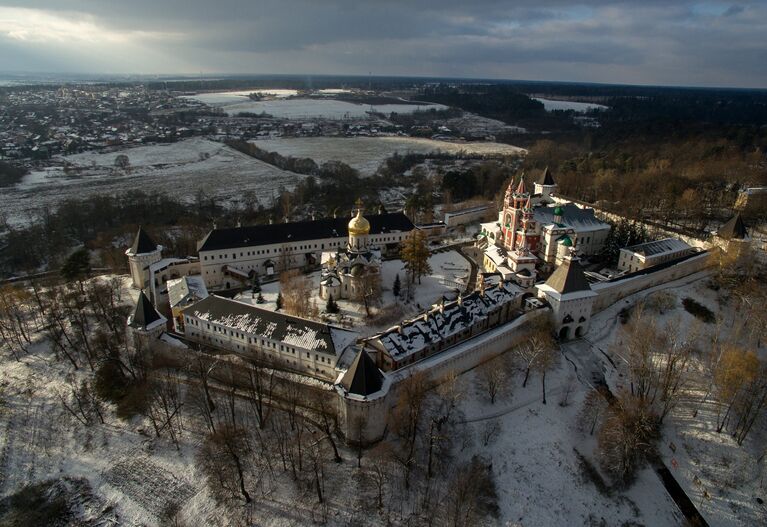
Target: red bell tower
{"points": [[514, 205], [527, 236]]}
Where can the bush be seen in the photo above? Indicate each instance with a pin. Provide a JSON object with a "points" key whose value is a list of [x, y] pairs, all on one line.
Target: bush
{"points": [[698, 310], [110, 384], [660, 301], [113, 386], [36, 504]]}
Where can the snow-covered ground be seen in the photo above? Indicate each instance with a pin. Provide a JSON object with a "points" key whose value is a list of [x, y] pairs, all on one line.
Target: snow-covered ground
{"points": [[225, 98], [449, 269], [551, 105], [299, 108], [538, 474], [535, 453], [366, 153], [722, 479], [178, 169]]}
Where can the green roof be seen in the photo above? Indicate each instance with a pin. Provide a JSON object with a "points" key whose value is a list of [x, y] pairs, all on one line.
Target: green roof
{"points": [[558, 211], [566, 241]]}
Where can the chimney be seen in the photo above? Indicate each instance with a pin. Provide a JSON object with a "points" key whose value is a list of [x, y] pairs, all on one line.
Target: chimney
{"points": [[442, 305]]}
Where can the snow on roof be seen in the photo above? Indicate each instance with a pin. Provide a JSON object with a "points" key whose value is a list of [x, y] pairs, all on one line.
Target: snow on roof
{"points": [[496, 254], [186, 289], [273, 325], [443, 321], [658, 247], [574, 217]]}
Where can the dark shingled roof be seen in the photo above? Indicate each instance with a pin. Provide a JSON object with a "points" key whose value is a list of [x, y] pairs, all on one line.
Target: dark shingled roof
{"points": [[300, 231], [568, 278], [270, 324], [546, 178], [143, 243], [734, 229], [363, 377], [145, 313]]}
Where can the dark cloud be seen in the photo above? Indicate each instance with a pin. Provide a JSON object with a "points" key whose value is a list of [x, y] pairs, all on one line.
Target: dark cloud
{"points": [[654, 42]]}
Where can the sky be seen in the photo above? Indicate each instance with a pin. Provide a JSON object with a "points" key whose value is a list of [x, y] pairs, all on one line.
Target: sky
{"points": [[668, 42]]}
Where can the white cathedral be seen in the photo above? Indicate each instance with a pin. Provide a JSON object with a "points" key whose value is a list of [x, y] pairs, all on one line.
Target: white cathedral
{"points": [[536, 229], [353, 272]]}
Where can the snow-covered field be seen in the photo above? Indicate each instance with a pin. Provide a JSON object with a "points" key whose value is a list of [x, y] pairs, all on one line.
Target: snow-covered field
{"points": [[179, 169], [538, 473], [722, 479], [236, 102], [225, 98], [366, 153], [551, 105]]}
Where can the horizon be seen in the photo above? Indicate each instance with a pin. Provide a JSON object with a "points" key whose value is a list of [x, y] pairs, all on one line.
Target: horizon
{"points": [[691, 43], [116, 78]]}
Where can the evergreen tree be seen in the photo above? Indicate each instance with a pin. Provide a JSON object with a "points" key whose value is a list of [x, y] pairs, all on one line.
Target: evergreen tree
{"points": [[279, 301], [415, 254], [77, 266], [397, 287], [256, 283], [331, 306]]}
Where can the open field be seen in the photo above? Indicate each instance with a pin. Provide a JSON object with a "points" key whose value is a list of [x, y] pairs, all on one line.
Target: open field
{"points": [[580, 107], [179, 169], [366, 153], [237, 102]]}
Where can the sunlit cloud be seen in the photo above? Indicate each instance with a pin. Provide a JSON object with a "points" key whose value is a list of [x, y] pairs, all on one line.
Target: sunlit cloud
{"points": [[39, 26]]}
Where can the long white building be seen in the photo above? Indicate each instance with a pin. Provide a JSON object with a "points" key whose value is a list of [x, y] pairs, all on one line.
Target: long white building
{"points": [[288, 342], [229, 258]]}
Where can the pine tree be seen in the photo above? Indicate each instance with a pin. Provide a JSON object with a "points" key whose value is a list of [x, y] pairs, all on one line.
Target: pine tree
{"points": [[256, 283], [397, 287], [415, 254], [331, 306], [279, 301]]}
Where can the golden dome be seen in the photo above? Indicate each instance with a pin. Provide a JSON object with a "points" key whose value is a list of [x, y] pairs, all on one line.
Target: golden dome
{"points": [[359, 225]]}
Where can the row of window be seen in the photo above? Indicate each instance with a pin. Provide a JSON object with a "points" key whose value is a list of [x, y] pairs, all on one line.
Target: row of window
{"points": [[321, 246], [264, 343]]}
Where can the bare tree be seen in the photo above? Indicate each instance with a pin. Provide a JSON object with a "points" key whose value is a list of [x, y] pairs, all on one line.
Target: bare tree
{"points": [[490, 430], [541, 340], [223, 458], [472, 495], [628, 435], [493, 378], [296, 293], [405, 421], [593, 411]]}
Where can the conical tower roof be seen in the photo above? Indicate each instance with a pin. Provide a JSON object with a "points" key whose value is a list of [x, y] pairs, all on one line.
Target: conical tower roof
{"points": [[546, 178], [734, 229], [143, 243], [145, 314], [521, 186], [363, 377], [568, 278]]}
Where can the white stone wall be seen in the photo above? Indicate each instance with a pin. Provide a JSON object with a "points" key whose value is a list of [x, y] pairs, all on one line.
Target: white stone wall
{"points": [[459, 359], [139, 267], [610, 292]]}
